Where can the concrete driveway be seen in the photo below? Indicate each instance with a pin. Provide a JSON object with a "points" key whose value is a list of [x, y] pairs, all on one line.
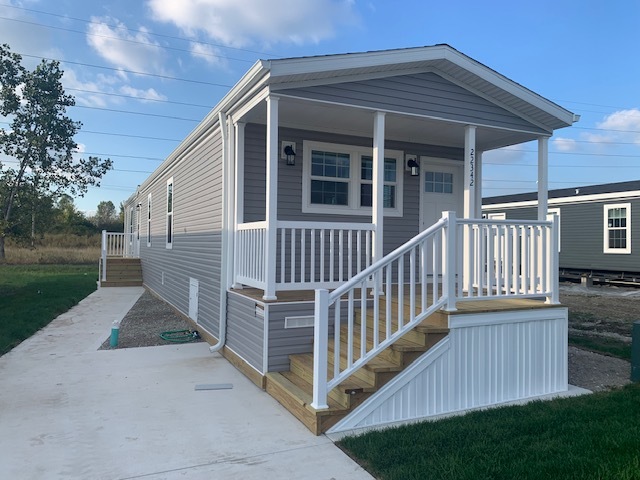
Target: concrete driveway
{"points": [[69, 410]]}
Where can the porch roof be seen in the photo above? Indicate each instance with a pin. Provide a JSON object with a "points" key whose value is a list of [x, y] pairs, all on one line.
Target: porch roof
{"points": [[442, 59]]}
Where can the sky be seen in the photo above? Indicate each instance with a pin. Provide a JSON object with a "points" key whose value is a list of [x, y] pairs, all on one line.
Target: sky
{"points": [[145, 72]]}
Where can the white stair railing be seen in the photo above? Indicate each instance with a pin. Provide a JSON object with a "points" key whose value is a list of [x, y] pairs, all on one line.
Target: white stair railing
{"points": [[117, 244], [475, 259], [419, 262]]}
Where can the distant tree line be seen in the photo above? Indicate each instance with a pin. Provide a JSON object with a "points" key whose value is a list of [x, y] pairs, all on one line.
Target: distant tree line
{"points": [[37, 213]]}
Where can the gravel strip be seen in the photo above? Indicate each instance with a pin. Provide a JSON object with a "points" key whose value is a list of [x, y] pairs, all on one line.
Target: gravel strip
{"points": [[142, 325], [150, 316]]}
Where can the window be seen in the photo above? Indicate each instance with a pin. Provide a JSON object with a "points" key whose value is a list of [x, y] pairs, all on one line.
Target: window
{"points": [[170, 213], [330, 174], [438, 182], [617, 228], [366, 182], [149, 220], [338, 179]]}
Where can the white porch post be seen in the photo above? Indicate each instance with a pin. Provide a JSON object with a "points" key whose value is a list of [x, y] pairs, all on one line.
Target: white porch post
{"points": [[377, 213], [478, 185], [238, 194], [469, 207], [469, 171], [272, 199], [543, 177]]}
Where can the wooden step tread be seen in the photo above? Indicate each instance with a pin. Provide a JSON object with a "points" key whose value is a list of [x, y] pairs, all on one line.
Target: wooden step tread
{"points": [[375, 365], [297, 389], [400, 345]]}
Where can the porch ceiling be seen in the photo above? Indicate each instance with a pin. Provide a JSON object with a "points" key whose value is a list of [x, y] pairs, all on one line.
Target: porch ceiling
{"points": [[348, 120]]}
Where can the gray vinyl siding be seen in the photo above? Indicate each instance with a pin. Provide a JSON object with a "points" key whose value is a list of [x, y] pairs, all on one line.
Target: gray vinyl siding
{"points": [[245, 330], [422, 94], [397, 229], [196, 252], [582, 235], [287, 341]]}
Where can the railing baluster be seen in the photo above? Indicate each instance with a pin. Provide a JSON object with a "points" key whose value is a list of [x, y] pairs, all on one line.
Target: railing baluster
{"points": [[340, 256], [350, 253], [312, 273], [293, 255], [388, 300], [336, 339], [412, 284], [303, 255], [350, 322], [400, 292], [322, 247], [375, 323], [363, 319], [331, 255]]}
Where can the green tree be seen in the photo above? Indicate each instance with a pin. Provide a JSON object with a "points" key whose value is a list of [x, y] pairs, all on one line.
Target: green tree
{"points": [[105, 215], [39, 138]]}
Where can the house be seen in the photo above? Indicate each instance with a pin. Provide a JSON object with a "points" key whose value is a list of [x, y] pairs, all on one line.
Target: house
{"points": [[597, 233], [300, 227]]}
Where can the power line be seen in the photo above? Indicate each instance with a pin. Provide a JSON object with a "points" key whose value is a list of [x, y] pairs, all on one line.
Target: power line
{"points": [[65, 17], [127, 40], [126, 135], [97, 92], [156, 75], [157, 115]]}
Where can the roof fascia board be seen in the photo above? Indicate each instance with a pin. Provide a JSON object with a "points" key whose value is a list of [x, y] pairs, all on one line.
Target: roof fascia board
{"points": [[597, 197], [308, 65], [257, 73], [509, 86], [494, 101]]}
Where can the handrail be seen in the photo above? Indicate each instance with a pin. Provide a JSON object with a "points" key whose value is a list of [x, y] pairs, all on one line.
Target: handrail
{"points": [[378, 274], [477, 259]]}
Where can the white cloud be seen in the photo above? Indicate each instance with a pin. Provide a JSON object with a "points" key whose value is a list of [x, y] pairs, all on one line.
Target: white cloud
{"points": [[506, 155], [623, 125], [565, 144], [131, 51], [210, 54], [241, 23], [92, 93], [148, 94]]}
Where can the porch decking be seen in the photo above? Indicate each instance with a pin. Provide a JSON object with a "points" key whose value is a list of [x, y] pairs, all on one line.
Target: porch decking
{"points": [[294, 388]]}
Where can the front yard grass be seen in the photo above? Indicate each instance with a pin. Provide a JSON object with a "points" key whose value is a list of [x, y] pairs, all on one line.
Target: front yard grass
{"points": [[590, 437], [33, 295]]}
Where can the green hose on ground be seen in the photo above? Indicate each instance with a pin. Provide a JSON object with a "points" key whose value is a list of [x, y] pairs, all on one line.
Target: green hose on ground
{"points": [[180, 336]]}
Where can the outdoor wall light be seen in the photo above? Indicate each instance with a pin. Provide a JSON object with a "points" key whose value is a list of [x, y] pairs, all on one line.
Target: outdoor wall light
{"points": [[414, 166], [291, 155]]}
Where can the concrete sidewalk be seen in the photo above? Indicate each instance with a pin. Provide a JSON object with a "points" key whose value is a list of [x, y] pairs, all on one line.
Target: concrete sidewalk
{"points": [[69, 410]]}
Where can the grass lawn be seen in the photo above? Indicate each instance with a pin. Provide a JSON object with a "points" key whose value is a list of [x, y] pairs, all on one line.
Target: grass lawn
{"points": [[590, 437], [33, 295]]}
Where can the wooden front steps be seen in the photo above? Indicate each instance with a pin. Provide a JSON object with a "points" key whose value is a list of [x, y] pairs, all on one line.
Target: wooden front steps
{"points": [[123, 272], [293, 389]]}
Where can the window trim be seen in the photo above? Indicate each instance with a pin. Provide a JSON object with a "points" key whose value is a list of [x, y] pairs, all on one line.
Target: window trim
{"points": [[607, 249], [169, 215], [353, 205], [149, 220]]}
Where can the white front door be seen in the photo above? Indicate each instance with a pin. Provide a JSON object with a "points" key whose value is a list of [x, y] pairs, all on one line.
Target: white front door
{"points": [[440, 189]]}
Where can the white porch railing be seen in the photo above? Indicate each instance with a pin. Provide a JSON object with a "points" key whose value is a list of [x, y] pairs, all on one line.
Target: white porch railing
{"points": [[502, 258], [454, 260], [115, 244], [308, 254]]}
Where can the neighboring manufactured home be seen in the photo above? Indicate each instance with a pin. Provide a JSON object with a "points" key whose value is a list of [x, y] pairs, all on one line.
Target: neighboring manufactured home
{"points": [[322, 227], [597, 225]]}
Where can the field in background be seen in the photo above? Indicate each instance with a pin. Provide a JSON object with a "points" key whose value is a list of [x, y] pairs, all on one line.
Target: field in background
{"points": [[33, 295], [55, 249]]}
